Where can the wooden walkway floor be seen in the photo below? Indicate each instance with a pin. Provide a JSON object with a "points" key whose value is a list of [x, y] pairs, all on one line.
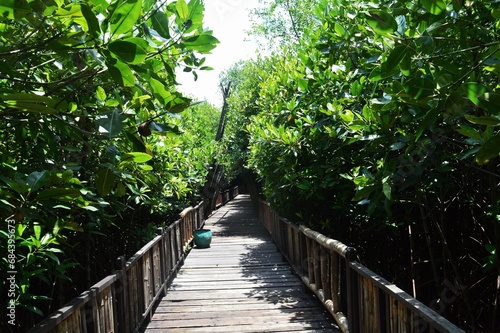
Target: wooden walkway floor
{"points": [[239, 284]]}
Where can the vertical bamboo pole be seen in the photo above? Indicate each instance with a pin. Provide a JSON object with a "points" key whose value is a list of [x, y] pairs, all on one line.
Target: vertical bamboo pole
{"points": [[335, 281], [352, 292], [122, 296]]}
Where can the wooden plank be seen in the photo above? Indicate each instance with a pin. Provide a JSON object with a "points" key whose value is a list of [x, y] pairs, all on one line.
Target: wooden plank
{"points": [[239, 284]]}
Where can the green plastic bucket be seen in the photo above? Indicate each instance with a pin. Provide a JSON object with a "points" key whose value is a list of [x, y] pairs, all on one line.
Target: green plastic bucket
{"points": [[202, 238]]}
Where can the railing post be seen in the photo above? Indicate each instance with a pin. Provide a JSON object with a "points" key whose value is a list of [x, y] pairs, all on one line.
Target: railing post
{"points": [[353, 315], [122, 297], [163, 262]]}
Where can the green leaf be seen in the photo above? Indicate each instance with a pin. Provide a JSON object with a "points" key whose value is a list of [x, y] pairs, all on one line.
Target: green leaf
{"points": [[13, 9], [339, 30], [470, 132], [347, 116], [381, 22], [37, 179], [363, 193], [486, 120], [490, 248], [303, 84], [490, 102], [122, 74], [202, 43], [386, 188], [20, 229], [182, 9], [121, 190], [105, 180], [7, 9], [137, 143], [92, 21], [37, 228], [17, 186], [178, 104], [395, 57], [52, 193], [125, 16], [490, 149], [74, 14], [111, 123], [160, 24], [28, 102], [146, 167], [429, 120], [196, 9], [435, 7], [496, 13], [474, 91], [160, 92], [137, 157], [382, 72], [101, 93], [127, 51], [164, 128]]}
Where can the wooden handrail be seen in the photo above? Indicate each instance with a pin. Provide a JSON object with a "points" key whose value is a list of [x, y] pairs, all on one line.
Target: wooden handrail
{"points": [[123, 301], [358, 299]]}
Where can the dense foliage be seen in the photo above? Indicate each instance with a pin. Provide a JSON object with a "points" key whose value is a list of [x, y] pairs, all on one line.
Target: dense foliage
{"points": [[92, 157], [380, 127]]}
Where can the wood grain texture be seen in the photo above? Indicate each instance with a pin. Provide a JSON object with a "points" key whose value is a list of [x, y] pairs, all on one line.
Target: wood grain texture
{"points": [[239, 284]]}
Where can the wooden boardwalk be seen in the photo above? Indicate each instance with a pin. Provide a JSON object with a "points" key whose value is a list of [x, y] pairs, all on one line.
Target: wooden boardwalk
{"points": [[239, 284]]}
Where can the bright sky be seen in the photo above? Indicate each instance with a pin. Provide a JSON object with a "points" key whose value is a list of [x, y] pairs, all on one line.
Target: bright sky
{"points": [[228, 19]]}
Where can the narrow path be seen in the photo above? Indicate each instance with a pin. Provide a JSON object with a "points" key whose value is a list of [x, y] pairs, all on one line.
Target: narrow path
{"points": [[239, 284]]}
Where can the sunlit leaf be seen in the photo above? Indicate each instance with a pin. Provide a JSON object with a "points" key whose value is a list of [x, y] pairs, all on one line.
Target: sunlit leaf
{"points": [[182, 9], [160, 24], [474, 91], [125, 16], [435, 7], [137, 157], [196, 9], [381, 22], [122, 74], [28, 102], [13, 9], [160, 91], [127, 51], [202, 43], [37, 228]]}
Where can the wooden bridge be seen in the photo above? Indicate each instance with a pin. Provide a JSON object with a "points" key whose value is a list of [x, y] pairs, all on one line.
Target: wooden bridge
{"points": [[253, 278], [240, 284]]}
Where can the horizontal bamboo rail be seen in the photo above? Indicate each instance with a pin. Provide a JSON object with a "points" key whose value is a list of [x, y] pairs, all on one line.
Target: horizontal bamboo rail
{"points": [[123, 301], [358, 299]]}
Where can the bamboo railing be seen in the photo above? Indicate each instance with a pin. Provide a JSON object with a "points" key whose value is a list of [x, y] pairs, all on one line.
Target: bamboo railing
{"points": [[358, 299], [123, 301]]}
